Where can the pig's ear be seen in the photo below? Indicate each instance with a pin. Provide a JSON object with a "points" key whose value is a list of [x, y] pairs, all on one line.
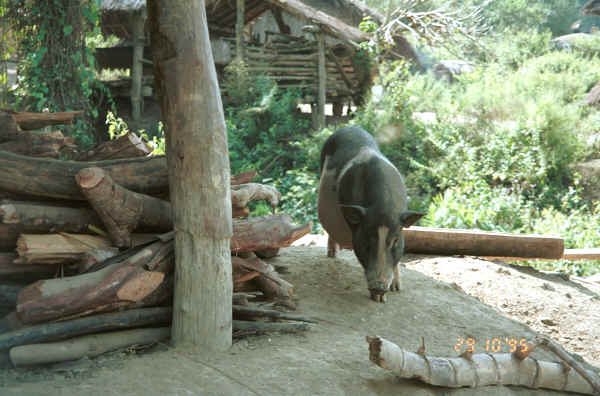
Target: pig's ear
{"points": [[353, 213], [410, 217]]}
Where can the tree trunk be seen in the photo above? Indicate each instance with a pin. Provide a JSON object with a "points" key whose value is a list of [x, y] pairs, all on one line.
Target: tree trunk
{"points": [[199, 177]]}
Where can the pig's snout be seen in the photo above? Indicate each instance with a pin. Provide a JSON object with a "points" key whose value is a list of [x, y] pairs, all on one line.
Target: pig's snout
{"points": [[378, 288]]}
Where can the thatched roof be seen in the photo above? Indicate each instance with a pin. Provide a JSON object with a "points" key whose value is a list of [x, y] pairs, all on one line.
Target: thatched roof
{"points": [[337, 18]]}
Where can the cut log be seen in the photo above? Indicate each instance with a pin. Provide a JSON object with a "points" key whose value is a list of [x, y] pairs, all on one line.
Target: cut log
{"points": [[89, 345], [269, 281], [423, 240], [9, 129], [8, 295], [482, 369], [32, 272], [56, 248], [123, 210], [155, 316], [28, 121], [50, 178], [244, 177], [39, 144], [267, 253], [243, 193], [40, 218], [123, 285], [239, 212], [258, 233], [92, 257], [129, 145]]}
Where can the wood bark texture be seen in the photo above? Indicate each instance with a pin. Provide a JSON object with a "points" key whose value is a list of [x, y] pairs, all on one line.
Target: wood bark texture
{"points": [[56, 248], [28, 121], [55, 179], [129, 145], [125, 285], [263, 232], [476, 370], [241, 194], [122, 210], [89, 345], [425, 240], [155, 316], [199, 175], [50, 178]]}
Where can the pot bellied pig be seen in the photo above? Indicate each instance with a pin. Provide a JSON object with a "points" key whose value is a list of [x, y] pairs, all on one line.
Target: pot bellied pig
{"points": [[362, 205]]}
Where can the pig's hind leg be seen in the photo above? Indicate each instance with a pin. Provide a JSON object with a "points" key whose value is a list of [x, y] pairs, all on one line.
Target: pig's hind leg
{"points": [[332, 247]]}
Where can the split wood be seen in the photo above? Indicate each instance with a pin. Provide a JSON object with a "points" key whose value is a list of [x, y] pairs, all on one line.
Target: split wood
{"points": [[476, 370]]}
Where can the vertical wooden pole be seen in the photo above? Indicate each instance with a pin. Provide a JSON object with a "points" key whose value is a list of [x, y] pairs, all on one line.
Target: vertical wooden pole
{"points": [[322, 81], [137, 97], [198, 163], [239, 29]]}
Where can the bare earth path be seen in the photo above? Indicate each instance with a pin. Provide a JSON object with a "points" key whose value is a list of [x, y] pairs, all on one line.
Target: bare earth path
{"points": [[444, 299]]}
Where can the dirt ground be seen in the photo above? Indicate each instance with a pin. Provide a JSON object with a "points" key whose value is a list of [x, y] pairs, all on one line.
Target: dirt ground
{"points": [[443, 299]]}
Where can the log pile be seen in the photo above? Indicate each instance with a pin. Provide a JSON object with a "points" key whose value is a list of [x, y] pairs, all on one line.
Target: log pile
{"points": [[92, 255], [16, 134]]}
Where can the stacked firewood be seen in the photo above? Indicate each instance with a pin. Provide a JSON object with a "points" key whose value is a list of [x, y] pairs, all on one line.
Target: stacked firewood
{"points": [[91, 248], [17, 133]]}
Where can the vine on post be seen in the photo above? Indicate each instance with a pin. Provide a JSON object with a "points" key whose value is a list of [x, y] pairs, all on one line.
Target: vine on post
{"points": [[56, 67]]}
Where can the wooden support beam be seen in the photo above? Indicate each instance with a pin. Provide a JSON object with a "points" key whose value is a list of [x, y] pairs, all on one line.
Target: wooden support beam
{"points": [[322, 80], [239, 29], [137, 98], [424, 240]]}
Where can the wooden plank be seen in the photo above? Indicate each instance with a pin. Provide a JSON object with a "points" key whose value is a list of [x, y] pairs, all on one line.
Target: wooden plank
{"points": [[582, 254], [424, 240]]}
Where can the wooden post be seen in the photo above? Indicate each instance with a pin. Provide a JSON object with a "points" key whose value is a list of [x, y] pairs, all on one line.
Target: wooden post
{"points": [[137, 97], [198, 166], [322, 80], [239, 30]]}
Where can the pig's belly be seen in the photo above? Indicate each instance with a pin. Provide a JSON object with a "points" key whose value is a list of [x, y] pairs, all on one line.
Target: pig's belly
{"points": [[330, 215]]}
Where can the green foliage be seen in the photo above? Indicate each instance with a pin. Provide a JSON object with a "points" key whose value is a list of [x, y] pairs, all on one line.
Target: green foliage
{"points": [[57, 69], [117, 127]]}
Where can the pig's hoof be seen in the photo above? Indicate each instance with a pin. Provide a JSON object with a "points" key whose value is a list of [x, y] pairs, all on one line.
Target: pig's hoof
{"points": [[395, 286], [377, 296]]}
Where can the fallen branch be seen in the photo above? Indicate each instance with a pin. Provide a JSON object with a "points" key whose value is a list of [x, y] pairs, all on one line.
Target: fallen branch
{"points": [[591, 377], [249, 313], [89, 345], [242, 327], [476, 370]]}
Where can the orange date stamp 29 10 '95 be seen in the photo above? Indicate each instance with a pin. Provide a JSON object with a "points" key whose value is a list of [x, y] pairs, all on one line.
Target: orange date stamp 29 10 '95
{"points": [[493, 345]]}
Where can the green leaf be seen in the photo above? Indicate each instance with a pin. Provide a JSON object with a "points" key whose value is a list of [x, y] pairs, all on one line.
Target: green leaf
{"points": [[67, 30]]}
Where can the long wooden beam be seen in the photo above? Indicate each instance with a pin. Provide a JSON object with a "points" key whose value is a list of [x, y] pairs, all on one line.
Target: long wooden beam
{"points": [[425, 240]]}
